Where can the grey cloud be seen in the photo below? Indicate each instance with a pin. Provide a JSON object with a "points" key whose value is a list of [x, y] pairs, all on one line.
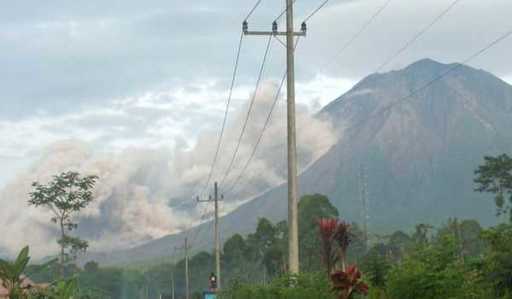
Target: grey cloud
{"points": [[468, 27], [60, 56]]}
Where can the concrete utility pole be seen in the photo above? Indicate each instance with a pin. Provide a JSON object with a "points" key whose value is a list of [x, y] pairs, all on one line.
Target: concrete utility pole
{"points": [[187, 273], [293, 222], [215, 201], [186, 247], [173, 289]]}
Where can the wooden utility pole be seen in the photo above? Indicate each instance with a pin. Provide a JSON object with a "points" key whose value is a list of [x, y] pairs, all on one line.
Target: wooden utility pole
{"points": [[293, 222], [216, 232]]}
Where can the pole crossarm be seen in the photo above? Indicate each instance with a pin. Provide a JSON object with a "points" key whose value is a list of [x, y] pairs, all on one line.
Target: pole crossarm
{"points": [[274, 31], [210, 199], [278, 33]]}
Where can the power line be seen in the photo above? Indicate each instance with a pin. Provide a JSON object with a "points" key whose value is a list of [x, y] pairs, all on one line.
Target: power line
{"points": [[456, 66], [235, 70], [315, 11], [230, 94], [361, 30], [451, 69], [284, 11], [251, 105], [418, 35], [204, 214], [265, 125], [252, 10]]}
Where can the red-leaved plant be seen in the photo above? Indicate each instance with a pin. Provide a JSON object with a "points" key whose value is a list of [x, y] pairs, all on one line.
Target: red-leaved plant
{"points": [[327, 229], [343, 237], [347, 283], [336, 234]]}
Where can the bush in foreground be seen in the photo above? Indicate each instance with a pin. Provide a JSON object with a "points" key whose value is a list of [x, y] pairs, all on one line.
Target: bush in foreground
{"points": [[306, 286]]}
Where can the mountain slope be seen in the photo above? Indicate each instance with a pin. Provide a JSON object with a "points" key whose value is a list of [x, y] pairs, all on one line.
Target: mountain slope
{"points": [[419, 154]]}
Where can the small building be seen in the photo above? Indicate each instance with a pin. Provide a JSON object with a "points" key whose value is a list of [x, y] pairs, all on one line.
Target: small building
{"points": [[4, 293]]}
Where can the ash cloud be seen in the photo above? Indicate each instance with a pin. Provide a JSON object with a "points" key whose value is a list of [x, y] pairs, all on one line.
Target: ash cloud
{"points": [[146, 192]]}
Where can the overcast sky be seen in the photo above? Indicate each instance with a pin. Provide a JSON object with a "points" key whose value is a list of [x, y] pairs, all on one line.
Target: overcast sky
{"points": [[80, 69], [155, 74]]}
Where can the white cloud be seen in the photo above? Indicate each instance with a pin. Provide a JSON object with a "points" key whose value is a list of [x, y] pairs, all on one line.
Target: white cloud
{"points": [[321, 90]]}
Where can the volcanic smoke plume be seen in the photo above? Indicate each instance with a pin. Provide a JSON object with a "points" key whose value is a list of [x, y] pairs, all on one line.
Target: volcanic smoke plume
{"points": [[145, 193]]}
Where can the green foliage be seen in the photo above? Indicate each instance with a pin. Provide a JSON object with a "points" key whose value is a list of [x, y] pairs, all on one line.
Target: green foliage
{"points": [[64, 289], [91, 267], [376, 266], [495, 176], [11, 273], [111, 283], [467, 235], [399, 244], [497, 263], [67, 192], [65, 195], [305, 286], [75, 246], [436, 270], [311, 209]]}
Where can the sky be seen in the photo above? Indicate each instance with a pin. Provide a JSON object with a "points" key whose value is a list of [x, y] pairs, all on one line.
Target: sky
{"points": [[103, 81]]}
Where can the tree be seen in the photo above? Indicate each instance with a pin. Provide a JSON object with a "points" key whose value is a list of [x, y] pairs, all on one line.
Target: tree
{"points": [[376, 266], [234, 249], [91, 267], [259, 242], [498, 260], [467, 236], [422, 234], [65, 196], [431, 271], [398, 244], [266, 247], [358, 245], [495, 176], [311, 209]]}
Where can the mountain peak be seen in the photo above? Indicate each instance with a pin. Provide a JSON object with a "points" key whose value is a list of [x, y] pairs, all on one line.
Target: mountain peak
{"points": [[426, 67], [422, 68], [380, 89], [426, 62]]}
